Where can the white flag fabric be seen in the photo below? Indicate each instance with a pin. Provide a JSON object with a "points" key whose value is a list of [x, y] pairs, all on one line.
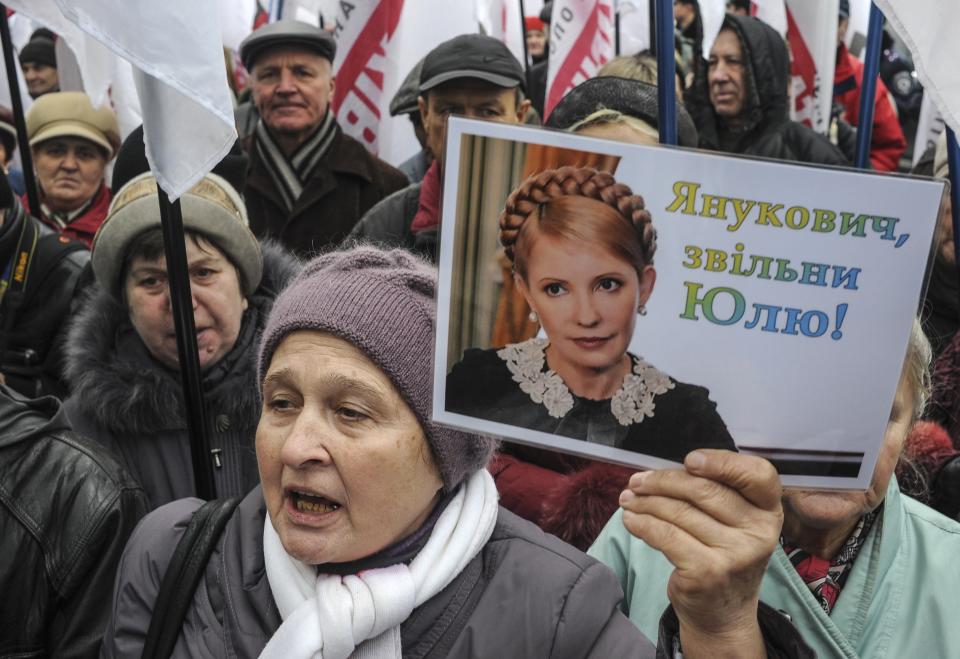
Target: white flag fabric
{"points": [[711, 14], [771, 12], [581, 40], [634, 26], [363, 31], [928, 27], [501, 19], [929, 127], [176, 49], [812, 33], [236, 20], [857, 26]]}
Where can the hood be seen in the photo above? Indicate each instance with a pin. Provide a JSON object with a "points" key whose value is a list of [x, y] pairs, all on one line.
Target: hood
{"points": [[766, 76], [23, 418], [127, 392]]}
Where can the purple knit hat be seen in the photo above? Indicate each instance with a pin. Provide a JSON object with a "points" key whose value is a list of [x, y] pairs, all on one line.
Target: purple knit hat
{"points": [[383, 303]]}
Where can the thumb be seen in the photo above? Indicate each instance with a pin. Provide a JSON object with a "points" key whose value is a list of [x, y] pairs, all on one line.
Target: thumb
{"points": [[754, 478]]}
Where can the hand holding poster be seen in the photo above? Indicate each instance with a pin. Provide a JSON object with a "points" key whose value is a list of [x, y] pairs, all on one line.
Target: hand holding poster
{"points": [[752, 305]]}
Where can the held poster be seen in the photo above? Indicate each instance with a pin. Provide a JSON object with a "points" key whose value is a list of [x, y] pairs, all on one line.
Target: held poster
{"points": [[746, 304]]}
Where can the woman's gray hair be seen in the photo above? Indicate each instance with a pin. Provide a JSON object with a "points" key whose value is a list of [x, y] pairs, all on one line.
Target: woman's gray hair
{"points": [[916, 366]]}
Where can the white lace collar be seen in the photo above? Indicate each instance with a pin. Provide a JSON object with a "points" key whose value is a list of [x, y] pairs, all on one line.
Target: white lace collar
{"points": [[631, 404]]}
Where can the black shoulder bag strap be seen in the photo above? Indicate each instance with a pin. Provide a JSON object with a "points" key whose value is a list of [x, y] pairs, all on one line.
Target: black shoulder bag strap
{"points": [[183, 574], [13, 282]]}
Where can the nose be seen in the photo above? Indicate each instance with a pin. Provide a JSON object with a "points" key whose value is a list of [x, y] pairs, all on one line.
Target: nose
{"points": [[69, 160], [304, 445], [586, 314], [286, 84]]}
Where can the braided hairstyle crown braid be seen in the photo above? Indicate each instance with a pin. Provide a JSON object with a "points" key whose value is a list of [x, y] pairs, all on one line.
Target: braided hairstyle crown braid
{"points": [[527, 200]]}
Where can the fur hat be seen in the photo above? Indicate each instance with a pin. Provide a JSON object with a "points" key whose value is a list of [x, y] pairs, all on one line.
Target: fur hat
{"points": [[382, 302], [211, 208], [71, 114]]}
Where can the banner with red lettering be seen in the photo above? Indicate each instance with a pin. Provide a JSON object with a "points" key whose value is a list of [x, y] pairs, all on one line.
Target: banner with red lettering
{"points": [[582, 40], [812, 34], [363, 30]]}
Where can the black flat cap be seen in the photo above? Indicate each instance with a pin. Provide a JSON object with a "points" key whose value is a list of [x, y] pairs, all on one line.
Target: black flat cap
{"points": [[629, 97], [287, 33], [471, 56], [405, 100]]}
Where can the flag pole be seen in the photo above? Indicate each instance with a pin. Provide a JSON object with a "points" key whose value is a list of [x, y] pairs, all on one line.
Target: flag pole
{"points": [[666, 73], [523, 39], [868, 87], [953, 158], [26, 157], [181, 303]]}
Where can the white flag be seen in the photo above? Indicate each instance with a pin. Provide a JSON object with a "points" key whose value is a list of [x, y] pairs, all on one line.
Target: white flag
{"points": [[771, 12], [929, 128], [928, 28], [581, 40], [711, 15], [501, 19], [634, 26], [176, 49], [812, 33]]}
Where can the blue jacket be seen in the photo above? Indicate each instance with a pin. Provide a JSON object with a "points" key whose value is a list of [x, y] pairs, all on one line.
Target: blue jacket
{"points": [[900, 600]]}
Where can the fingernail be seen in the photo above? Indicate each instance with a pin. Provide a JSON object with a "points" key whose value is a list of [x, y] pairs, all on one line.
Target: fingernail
{"points": [[626, 497], [695, 460], [638, 478]]}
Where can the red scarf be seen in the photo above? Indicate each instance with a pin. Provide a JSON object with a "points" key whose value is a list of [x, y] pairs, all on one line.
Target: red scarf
{"points": [[428, 213], [84, 226]]}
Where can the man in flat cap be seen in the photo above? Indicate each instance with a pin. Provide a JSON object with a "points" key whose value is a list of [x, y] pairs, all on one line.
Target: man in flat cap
{"points": [[38, 61], [308, 183], [72, 142], [472, 76]]}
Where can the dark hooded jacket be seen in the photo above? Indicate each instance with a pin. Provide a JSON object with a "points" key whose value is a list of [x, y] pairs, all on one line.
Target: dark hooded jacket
{"points": [[767, 132], [66, 510], [123, 398]]}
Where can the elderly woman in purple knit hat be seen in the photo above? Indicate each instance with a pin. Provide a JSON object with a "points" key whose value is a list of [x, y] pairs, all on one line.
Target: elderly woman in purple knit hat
{"points": [[376, 532]]}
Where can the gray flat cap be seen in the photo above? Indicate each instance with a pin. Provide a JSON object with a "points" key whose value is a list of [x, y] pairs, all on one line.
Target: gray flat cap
{"points": [[405, 100], [287, 33]]}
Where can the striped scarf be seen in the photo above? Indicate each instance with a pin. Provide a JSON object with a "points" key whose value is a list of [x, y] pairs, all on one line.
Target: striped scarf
{"points": [[289, 174], [825, 578]]}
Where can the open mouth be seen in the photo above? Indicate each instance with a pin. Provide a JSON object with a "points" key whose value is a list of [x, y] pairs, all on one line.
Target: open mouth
{"points": [[305, 502]]}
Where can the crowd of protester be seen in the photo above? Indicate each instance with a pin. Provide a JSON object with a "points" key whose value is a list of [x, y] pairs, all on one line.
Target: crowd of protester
{"points": [[312, 272]]}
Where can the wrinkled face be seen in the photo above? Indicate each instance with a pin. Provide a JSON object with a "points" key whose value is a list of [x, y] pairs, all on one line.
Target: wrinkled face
{"points": [[69, 171], [945, 249], [822, 510], [726, 75], [218, 304], [466, 97], [40, 78], [292, 89], [536, 42], [345, 466], [586, 299]]}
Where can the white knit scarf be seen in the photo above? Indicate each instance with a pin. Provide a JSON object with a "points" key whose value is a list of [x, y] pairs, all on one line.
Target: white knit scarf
{"points": [[334, 617]]}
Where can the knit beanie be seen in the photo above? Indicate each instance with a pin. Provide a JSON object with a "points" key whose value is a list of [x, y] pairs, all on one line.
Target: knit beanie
{"points": [[39, 50], [382, 302]]}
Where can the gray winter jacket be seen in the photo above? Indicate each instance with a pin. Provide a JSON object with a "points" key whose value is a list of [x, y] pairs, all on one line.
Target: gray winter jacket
{"points": [[527, 594], [388, 224], [123, 398]]}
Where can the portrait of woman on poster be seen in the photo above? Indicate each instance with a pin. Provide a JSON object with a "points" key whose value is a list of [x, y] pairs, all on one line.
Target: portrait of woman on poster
{"points": [[582, 248]]}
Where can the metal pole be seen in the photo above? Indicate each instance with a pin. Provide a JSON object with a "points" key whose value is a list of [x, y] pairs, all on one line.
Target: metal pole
{"points": [[666, 73], [616, 33], [26, 157], [181, 303], [953, 158], [652, 10], [523, 38], [868, 88]]}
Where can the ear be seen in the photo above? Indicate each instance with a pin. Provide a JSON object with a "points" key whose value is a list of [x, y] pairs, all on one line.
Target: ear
{"points": [[522, 111], [522, 287], [333, 86], [424, 110], [648, 277], [245, 304]]}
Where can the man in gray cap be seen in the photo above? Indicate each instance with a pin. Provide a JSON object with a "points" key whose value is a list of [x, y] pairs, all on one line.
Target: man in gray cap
{"points": [[308, 183], [473, 76]]}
